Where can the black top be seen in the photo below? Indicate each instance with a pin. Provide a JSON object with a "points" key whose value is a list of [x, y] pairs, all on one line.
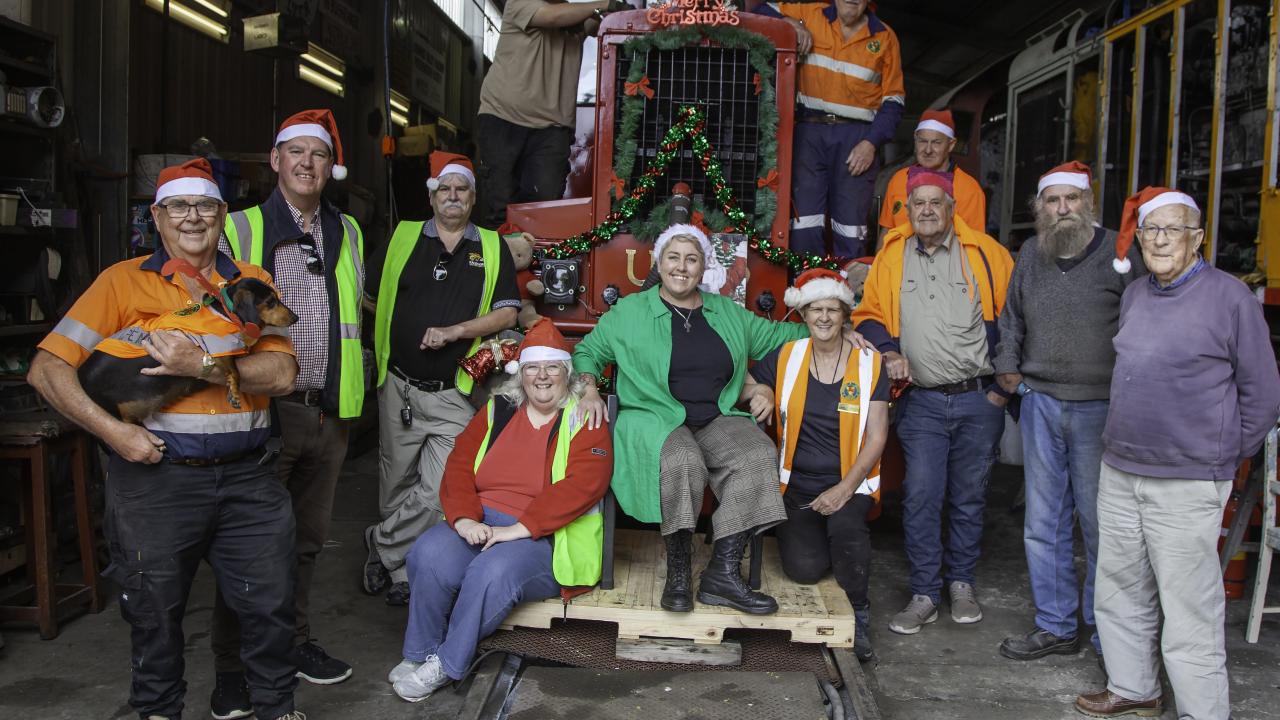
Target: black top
{"points": [[815, 466], [438, 289], [1065, 264], [700, 366]]}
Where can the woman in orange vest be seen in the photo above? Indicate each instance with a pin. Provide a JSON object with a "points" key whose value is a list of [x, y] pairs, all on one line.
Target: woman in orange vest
{"points": [[830, 400]]}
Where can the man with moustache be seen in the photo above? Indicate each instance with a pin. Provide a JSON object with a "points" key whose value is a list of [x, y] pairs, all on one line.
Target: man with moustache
{"points": [[935, 138], [444, 285], [1055, 351]]}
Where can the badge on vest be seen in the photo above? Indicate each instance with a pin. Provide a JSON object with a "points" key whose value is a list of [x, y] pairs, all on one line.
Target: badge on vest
{"points": [[897, 206], [849, 402], [476, 259], [873, 46]]}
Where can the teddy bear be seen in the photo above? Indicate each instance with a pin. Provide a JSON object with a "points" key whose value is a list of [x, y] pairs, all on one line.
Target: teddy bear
{"points": [[521, 245], [855, 275]]}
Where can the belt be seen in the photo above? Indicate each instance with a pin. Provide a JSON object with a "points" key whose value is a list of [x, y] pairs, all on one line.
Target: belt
{"points": [[423, 385], [225, 459], [828, 119], [963, 386], [310, 398]]}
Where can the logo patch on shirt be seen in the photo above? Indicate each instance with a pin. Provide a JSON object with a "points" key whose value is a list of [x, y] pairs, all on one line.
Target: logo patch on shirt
{"points": [[188, 310], [849, 402], [873, 47], [476, 259], [897, 206], [600, 451]]}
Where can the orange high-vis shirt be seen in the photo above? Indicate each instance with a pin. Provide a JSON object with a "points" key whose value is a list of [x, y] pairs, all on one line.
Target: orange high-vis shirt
{"points": [[850, 77], [971, 201]]}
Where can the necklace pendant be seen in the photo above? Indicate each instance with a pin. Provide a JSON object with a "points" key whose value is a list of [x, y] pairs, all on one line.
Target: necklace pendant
{"points": [[687, 327]]}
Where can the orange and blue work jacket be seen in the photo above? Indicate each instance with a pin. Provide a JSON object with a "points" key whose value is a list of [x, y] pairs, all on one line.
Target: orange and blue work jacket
{"points": [[132, 297], [855, 78]]}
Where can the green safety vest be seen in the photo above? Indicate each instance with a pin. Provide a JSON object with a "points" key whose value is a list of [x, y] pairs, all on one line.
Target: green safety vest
{"points": [[244, 234], [403, 241], [578, 546]]}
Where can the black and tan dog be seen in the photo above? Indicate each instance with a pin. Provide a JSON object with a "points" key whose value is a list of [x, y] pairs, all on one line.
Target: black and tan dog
{"points": [[118, 385]]}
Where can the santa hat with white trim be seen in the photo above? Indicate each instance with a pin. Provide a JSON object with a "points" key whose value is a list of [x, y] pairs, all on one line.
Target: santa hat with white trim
{"points": [[818, 284], [1075, 173], [193, 177], [938, 121], [543, 343], [447, 163], [1136, 210], [681, 229], [317, 124]]}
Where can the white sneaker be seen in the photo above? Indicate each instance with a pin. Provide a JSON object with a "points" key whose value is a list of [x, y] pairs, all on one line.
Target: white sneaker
{"points": [[404, 668], [422, 681]]}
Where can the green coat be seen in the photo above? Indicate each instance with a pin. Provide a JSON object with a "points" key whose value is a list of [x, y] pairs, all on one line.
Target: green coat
{"points": [[636, 336]]}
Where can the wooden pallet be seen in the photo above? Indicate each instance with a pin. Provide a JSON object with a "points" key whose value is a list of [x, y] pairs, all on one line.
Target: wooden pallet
{"points": [[811, 613]]}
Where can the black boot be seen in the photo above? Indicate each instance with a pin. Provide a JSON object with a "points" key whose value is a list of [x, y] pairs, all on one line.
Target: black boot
{"points": [[862, 634], [677, 593], [722, 582]]}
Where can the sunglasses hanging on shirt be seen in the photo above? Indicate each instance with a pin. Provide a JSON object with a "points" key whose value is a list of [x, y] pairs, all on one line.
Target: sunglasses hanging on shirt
{"points": [[314, 263]]}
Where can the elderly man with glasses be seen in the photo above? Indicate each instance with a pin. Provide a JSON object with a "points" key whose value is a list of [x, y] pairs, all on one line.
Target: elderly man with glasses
{"points": [[443, 286], [315, 253], [1194, 392], [193, 481]]}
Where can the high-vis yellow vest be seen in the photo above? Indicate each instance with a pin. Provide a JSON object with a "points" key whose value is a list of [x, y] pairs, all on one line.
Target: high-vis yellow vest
{"points": [[578, 547], [791, 386], [244, 234], [403, 241]]}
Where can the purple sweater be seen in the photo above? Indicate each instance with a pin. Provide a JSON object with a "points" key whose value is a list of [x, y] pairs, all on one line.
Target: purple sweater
{"points": [[1195, 387]]}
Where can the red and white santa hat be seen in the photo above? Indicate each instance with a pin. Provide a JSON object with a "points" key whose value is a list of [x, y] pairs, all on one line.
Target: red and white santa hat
{"points": [[1074, 173], [938, 121], [447, 163], [1136, 210], [818, 284], [542, 343], [193, 177], [918, 176], [317, 124], [681, 229]]}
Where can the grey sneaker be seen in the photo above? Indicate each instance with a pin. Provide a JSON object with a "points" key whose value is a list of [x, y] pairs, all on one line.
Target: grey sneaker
{"points": [[919, 612], [403, 669], [424, 680], [964, 605]]}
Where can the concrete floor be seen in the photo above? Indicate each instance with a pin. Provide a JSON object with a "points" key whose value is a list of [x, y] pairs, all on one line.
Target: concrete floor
{"points": [[948, 672]]}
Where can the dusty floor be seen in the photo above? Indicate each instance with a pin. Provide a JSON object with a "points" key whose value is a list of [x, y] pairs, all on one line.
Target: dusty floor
{"points": [[945, 672]]}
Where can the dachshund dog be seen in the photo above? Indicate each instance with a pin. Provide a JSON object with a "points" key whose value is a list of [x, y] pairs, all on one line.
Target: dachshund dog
{"points": [[116, 384]]}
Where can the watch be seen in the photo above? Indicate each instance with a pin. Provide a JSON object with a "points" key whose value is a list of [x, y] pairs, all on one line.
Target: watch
{"points": [[1023, 388], [207, 365]]}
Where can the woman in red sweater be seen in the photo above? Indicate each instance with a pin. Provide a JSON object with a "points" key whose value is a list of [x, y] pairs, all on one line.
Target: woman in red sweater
{"points": [[524, 470]]}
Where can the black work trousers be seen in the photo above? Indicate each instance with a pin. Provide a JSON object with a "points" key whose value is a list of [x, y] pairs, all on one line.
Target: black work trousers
{"points": [[519, 164], [163, 519], [811, 544]]}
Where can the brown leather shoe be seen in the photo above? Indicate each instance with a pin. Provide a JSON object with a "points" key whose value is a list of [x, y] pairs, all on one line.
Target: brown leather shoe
{"points": [[1107, 704]]}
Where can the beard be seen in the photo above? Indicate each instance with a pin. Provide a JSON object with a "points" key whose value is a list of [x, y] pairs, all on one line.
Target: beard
{"points": [[1064, 236]]}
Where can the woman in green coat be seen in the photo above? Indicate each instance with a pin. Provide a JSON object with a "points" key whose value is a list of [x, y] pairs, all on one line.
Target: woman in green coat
{"points": [[681, 356]]}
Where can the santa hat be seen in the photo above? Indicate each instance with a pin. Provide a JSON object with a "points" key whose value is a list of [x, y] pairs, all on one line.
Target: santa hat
{"points": [[918, 176], [509, 228], [317, 124], [543, 343], [938, 121], [1075, 173], [193, 177], [818, 284], [1136, 210], [447, 163], [848, 267], [680, 229]]}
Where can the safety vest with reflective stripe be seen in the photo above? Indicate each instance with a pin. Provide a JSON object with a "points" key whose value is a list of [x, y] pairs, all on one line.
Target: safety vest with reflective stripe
{"points": [[245, 235], [403, 241], [791, 389], [577, 548]]}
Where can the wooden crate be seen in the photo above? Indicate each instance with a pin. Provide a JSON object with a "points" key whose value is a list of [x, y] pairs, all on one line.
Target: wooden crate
{"points": [[811, 613]]}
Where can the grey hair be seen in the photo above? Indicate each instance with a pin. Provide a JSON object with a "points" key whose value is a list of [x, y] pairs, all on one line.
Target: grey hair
{"points": [[512, 388]]}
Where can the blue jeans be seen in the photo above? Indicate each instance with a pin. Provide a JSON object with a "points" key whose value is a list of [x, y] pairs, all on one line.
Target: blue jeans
{"points": [[460, 595], [822, 189], [949, 443], [1062, 444]]}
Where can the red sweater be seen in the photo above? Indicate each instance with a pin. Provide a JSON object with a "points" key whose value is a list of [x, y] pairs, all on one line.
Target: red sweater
{"points": [[586, 479]]}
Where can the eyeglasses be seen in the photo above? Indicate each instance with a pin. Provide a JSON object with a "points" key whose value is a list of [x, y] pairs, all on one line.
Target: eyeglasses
{"points": [[1173, 232], [552, 369], [314, 263], [179, 209]]}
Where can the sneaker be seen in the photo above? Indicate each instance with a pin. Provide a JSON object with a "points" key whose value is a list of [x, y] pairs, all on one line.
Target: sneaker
{"points": [[424, 680], [398, 595], [316, 667], [919, 612], [404, 668], [1037, 644], [230, 697], [376, 577], [964, 606], [295, 715]]}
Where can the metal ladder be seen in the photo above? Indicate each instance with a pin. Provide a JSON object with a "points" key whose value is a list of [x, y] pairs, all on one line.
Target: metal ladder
{"points": [[1268, 544]]}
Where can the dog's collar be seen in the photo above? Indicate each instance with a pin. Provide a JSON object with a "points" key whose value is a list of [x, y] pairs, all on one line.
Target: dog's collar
{"points": [[179, 266]]}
